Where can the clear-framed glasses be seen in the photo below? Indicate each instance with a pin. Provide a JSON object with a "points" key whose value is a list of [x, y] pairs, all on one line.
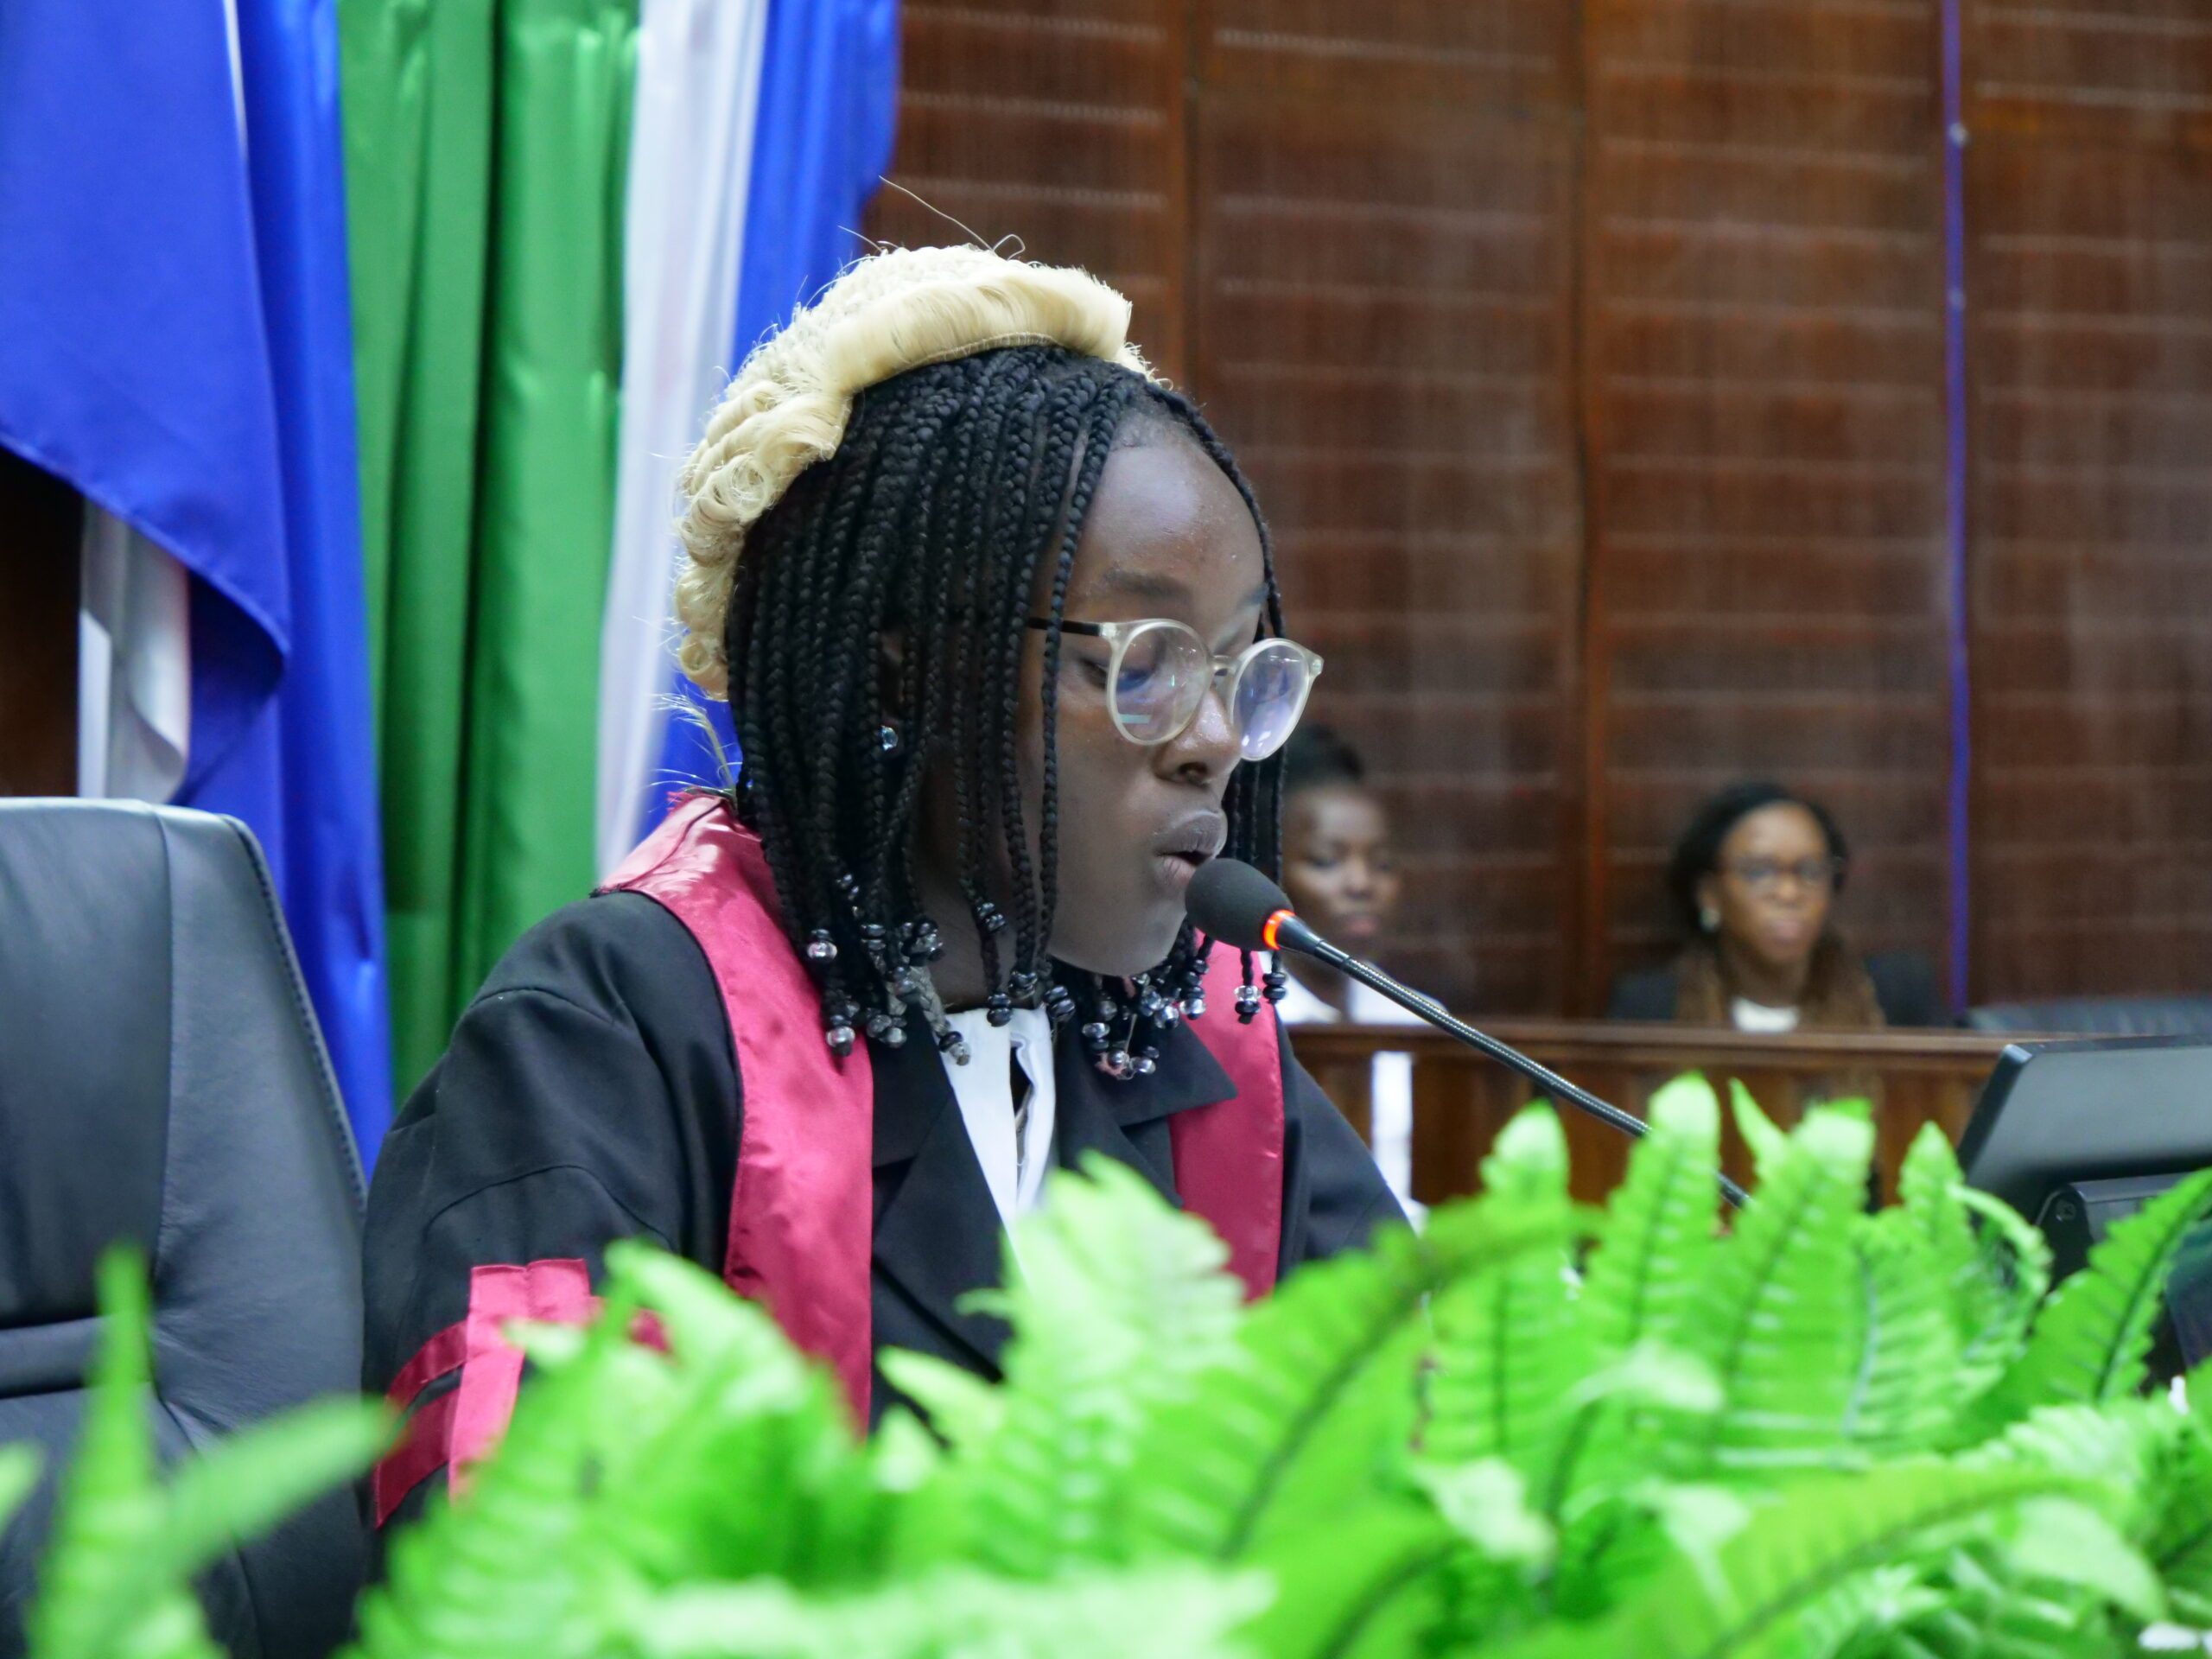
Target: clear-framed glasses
{"points": [[1161, 670], [1764, 875]]}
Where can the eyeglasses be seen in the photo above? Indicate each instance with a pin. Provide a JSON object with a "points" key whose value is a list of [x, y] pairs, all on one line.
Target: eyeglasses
{"points": [[1161, 670], [1763, 875]]}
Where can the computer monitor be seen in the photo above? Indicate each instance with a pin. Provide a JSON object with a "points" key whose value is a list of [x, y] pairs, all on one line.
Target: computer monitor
{"points": [[2076, 1133], [2072, 1109]]}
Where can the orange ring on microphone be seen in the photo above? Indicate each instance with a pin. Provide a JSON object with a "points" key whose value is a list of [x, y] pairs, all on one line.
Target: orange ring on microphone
{"points": [[1268, 928]]}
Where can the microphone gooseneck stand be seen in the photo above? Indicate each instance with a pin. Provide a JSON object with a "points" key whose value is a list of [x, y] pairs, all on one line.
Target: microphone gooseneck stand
{"points": [[1292, 934]]}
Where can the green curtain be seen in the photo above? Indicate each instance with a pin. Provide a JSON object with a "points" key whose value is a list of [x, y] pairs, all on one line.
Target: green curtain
{"points": [[485, 151]]}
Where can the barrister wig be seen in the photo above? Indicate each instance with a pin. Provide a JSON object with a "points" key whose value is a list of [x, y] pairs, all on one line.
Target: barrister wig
{"points": [[916, 452]]}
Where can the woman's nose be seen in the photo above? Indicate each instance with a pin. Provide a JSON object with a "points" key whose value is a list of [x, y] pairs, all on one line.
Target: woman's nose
{"points": [[1206, 750]]}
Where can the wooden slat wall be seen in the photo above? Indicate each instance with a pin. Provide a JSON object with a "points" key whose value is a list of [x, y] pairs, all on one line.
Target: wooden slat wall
{"points": [[1059, 123], [1590, 358], [1765, 417], [2090, 259], [1383, 325]]}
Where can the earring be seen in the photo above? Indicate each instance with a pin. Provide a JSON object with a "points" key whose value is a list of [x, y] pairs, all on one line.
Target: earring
{"points": [[886, 738], [1709, 920]]}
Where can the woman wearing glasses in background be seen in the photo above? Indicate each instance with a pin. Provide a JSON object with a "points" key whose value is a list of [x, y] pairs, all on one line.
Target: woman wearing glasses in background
{"points": [[994, 613], [1754, 880]]}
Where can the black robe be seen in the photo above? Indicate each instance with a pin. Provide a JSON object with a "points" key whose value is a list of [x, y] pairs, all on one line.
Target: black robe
{"points": [[590, 1094]]}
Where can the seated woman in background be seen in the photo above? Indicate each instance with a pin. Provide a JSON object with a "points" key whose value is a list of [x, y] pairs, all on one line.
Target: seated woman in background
{"points": [[1754, 879], [1341, 870]]}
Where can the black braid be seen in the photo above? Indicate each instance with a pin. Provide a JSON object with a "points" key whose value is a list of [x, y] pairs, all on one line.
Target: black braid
{"points": [[952, 487]]}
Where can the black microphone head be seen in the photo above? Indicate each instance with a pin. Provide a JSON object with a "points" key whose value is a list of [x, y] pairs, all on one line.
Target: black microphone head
{"points": [[1233, 902]]}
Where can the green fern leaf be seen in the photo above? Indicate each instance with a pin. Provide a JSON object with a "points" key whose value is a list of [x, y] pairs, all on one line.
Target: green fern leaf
{"points": [[1369, 1586], [1314, 1406], [19, 1467], [2092, 1341], [245, 1485], [2006, 1291], [1754, 1600], [1657, 1233], [732, 1407], [505, 1572], [1865, 1615], [962, 1409], [1978, 1606], [1118, 1303], [100, 1592], [1487, 1503], [1165, 1612], [1763, 1137], [1511, 1344], [1905, 1394], [1618, 1537], [2180, 1531], [1781, 1319]]}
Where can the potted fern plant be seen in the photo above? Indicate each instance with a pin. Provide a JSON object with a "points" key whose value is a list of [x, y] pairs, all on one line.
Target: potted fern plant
{"points": [[1533, 1430]]}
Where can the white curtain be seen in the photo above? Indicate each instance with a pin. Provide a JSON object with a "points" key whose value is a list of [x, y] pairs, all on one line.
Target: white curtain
{"points": [[134, 665], [690, 166]]}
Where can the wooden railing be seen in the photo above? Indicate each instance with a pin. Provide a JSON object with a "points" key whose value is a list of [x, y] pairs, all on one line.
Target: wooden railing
{"points": [[1461, 1099]]}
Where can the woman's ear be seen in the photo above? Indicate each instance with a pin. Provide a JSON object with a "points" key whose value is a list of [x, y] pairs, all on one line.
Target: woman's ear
{"points": [[1708, 903]]}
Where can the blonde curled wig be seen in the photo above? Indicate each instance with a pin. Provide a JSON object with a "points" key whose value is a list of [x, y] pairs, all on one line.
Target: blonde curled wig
{"points": [[789, 405]]}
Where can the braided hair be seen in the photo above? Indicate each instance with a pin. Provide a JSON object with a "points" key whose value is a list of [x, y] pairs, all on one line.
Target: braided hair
{"points": [[954, 498]]}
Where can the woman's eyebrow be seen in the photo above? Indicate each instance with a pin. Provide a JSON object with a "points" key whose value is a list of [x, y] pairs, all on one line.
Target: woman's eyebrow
{"points": [[1146, 584]]}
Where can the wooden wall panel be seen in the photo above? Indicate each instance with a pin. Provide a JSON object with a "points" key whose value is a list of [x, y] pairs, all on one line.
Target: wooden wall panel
{"points": [[2089, 208], [1764, 401], [1382, 326], [1058, 123], [1590, 359], [40, 525]]}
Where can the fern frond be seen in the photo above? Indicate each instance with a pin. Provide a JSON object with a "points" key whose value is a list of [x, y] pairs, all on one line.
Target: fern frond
{"points": [[1903, 1393], [1162, 1613], [1767, 1580], [732, 1407], [19, 1467], [1315, 1404], [1511, 1344], [2179, 1543], [962, 1409], [1620, 1424], [1370, 1586], [1117, 1303], [1487, 1503], [2093, 1339], [243, 1485], [99, 1593], [1657, 1232], [2000, 1304], [1781, 1319], [502, 1572], [1982, 1608], [1619, 1537], [1763, 1137]]}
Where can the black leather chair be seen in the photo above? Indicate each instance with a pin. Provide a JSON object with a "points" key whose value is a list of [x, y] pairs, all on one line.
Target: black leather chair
{"points": [[162, 1079], [2099, 1016]]}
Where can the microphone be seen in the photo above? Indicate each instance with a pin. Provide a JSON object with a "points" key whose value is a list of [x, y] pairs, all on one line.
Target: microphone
{"points": [[1234, 903]]}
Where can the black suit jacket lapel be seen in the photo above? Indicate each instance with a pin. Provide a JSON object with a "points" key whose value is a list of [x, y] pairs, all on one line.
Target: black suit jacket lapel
{"points": [[938, 1234], [1128, 1119]]}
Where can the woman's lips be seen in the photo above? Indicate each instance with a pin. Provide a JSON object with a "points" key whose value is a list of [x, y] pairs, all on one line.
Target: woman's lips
{"points": [[1176, 870]]}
